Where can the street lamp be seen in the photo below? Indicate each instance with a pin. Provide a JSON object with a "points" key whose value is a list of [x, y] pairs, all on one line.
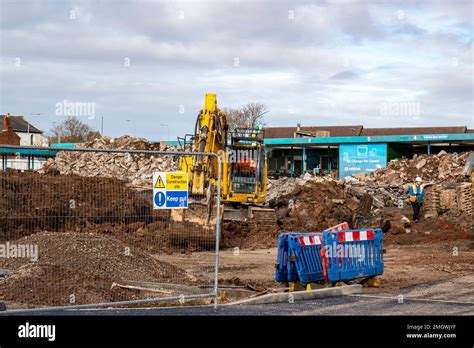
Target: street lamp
{"points": [[168, 130], [134, 128]]}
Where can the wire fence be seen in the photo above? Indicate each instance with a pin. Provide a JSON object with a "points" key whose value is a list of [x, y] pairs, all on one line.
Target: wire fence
{"points": [[85, 230]]}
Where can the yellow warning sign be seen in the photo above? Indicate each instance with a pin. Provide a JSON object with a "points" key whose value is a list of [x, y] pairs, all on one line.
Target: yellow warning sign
{"points": [[177, 181], [159, 183]]}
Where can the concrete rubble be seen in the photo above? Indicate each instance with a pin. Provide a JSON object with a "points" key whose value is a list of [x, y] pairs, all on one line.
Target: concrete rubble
{"points": [[443, 176], [373, 200], [135, 169], [443, 167]]}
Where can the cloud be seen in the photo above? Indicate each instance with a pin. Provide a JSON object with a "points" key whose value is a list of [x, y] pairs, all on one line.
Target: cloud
{"points": [[326, 62]]}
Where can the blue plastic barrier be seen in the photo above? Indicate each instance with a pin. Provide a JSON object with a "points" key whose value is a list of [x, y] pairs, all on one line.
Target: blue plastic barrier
{"points": [[281, 273], [304, 253], [285, 270], [333, 256], [353, 254]]}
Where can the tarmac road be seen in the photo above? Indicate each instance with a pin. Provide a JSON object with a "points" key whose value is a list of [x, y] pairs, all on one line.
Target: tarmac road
{"points": [[433, 300]]}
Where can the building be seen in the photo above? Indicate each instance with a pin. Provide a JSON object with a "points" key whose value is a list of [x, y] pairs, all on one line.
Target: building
{"points": [[29, 134], [345, 150], [15, 130], [7, 135]]}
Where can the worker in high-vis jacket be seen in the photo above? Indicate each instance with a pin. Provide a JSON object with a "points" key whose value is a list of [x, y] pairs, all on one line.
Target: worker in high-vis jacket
{"points": [[417, 193]]}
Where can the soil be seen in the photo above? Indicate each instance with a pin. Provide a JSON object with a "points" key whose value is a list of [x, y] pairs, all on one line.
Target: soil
{"points": [[405, 265], [83, 226], [81, 264], [32, 202], [316, 206]]}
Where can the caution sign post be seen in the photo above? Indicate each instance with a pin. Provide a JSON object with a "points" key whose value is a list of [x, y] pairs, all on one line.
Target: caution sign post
{"points": [[170, 190]]}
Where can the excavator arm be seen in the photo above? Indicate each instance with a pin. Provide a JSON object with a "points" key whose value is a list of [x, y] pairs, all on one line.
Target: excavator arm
{"points": [[210, 135]]}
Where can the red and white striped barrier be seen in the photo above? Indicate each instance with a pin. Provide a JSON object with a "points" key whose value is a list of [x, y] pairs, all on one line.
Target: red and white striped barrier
{"points": [[355, 236], [338, 227], [310, 240]]}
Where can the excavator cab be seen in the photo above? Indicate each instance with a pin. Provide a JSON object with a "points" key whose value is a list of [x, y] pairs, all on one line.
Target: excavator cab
{"points": [[247, 166]]}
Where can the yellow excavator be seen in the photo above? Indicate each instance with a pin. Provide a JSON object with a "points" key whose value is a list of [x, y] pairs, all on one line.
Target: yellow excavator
{"points": [[244, 170]]}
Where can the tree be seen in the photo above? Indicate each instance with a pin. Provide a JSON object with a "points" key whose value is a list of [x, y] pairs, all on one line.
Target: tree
{"points": [[71, 130], [249, 115]]}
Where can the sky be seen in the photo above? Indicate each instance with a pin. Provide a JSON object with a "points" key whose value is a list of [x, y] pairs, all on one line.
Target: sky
{"points": [[144, 67]]}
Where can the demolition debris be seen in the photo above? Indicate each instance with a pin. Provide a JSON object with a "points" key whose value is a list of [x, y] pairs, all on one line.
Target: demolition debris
{"points": [[135, 169]]}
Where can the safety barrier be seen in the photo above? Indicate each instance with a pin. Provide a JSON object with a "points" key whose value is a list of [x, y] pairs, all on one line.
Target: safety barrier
{"points": [[281, 274], [354, 254], [338, 227], [330, 256], [304, 253], [285, 271]]}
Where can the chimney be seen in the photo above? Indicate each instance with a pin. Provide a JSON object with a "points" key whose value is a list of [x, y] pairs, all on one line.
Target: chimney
{"points": [[7, 122], [298, 127]]}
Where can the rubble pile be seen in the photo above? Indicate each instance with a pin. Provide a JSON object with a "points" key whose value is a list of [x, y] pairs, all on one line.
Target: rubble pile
{"points": [[383, 195], [286, 185], [313, 205], [440, 168], [136, 169]]}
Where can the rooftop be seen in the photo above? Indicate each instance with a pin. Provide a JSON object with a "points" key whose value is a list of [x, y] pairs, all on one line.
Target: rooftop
{"points": [[359, 130], [19, 124]]}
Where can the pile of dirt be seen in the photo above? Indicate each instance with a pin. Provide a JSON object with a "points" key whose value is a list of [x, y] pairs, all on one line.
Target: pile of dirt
{"points": [[31, 202], [241, 235], [80, 264], [314, 206], [443, 167], [136, 169], [286, 185], [399, 227], [161, 237]]}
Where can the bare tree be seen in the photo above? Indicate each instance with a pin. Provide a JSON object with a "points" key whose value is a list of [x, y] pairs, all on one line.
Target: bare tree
{"points": [[249, 115], [71, 130]]}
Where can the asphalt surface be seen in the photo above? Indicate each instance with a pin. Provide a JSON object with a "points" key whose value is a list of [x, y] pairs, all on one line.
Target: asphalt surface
{"points": [[431, 301], [343, 305]]}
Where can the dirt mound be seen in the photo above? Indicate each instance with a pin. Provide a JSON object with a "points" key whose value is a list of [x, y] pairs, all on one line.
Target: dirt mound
{"points": [[241, 235], [161, 236], [79, 264], [30, 202], [93, 254], [286, 185], [314, 206], [136, 169], [441, 168]]}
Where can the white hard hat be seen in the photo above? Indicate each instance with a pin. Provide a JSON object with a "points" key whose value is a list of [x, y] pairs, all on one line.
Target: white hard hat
{"points": [[418, 179]]}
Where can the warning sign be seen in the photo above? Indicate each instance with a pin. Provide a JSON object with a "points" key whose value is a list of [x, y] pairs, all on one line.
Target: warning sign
{"points": [[177, 181], [159, 183], [170, 190]]}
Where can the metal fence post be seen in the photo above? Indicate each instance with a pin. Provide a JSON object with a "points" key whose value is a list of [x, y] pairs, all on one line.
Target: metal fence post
{"points": [[218, 229]]}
